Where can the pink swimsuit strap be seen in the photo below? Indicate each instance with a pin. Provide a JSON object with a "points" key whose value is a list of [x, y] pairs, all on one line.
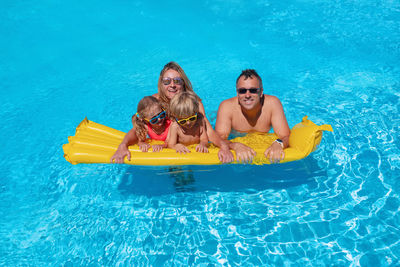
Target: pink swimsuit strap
{"points": [[161, 137]]}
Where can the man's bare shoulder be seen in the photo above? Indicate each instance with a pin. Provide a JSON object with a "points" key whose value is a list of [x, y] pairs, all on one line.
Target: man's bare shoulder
{"points": [[271, 101], [227, 108], [271, 98], [229, 103]]}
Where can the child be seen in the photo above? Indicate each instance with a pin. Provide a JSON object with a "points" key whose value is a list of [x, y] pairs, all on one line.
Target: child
{"points": [[189, 126], [150, 120]]}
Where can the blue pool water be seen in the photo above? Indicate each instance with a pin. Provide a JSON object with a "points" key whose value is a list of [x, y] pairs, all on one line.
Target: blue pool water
{"points": [[335, 61]]}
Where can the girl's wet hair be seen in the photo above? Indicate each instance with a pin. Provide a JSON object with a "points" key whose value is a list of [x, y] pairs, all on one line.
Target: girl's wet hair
{"points": [[184, 105], [145, 105]]}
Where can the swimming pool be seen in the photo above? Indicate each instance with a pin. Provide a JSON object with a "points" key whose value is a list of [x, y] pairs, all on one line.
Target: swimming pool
{"points": [[334, 61]]}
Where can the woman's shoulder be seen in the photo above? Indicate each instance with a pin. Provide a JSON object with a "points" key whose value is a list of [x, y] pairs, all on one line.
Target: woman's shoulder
{"points": [[156, 95]]}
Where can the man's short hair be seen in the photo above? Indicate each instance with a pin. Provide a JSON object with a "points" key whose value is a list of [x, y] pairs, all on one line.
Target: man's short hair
{"points": [[250, 73]]}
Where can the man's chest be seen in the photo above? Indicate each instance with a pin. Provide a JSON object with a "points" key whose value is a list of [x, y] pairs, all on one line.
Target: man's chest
{"points": [[242, 124]]}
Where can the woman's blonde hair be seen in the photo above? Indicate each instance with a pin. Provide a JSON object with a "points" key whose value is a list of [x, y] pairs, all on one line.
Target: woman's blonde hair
{"points": [[184, 105], [187, 85], [143, 108]]}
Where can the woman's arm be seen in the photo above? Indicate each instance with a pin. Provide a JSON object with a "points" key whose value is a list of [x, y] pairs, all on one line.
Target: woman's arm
{"points": [[202, 146], [123, 151], [224, 154]]}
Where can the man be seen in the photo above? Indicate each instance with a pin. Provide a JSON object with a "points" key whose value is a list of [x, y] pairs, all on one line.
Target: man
{"points": [[253, 111]]}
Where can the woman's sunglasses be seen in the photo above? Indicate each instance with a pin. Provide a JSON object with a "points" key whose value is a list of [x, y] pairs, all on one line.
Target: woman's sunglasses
{"points": [[177, 80], [157, 117], [185, 120], [242, 91]]}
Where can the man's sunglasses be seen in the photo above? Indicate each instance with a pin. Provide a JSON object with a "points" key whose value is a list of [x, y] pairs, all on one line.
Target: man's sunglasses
{"points": [[177, 80], [242, 91], [157, 117], [185, 120]]}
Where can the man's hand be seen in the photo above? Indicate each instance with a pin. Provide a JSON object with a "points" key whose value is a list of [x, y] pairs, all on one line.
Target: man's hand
{"points": [[275, 153], [244, 153], [120, 154]]}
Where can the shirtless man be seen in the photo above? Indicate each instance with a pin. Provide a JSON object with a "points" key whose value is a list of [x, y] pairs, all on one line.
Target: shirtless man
{"points": [[253, 111]]}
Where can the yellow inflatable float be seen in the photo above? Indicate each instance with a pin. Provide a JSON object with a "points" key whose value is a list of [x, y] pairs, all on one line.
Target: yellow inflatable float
{"points": [[96, 143]]}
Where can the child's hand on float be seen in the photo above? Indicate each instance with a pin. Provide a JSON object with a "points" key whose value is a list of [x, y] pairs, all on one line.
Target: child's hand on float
{"points": [[157, 148], [144, 147]]}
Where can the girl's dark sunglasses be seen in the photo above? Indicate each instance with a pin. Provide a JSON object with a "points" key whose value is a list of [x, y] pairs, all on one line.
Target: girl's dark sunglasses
{"points": [[177, 80], [242, 91], [157, 117]]}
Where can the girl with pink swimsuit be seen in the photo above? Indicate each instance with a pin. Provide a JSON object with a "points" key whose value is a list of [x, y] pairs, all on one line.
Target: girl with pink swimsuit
{"points": [[150, 120]]}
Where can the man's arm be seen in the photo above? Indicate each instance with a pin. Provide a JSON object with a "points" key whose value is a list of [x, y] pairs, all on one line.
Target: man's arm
{"points": [[223, 127], [281, 128], [279, 122]]}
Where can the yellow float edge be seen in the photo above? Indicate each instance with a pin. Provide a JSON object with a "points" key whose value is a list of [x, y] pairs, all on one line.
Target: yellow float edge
{"points": [[96, 143]]}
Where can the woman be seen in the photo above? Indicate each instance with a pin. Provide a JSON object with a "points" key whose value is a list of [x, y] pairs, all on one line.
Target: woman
{"points": [[172, 81]]}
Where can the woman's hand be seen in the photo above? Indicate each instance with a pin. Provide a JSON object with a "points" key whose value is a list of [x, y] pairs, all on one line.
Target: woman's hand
{"points": [[225, 155], [120, 154], [201, 148]]}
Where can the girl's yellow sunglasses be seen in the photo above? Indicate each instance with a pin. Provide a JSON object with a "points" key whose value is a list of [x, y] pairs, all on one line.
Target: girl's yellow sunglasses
{"points": [[185, 120]]}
